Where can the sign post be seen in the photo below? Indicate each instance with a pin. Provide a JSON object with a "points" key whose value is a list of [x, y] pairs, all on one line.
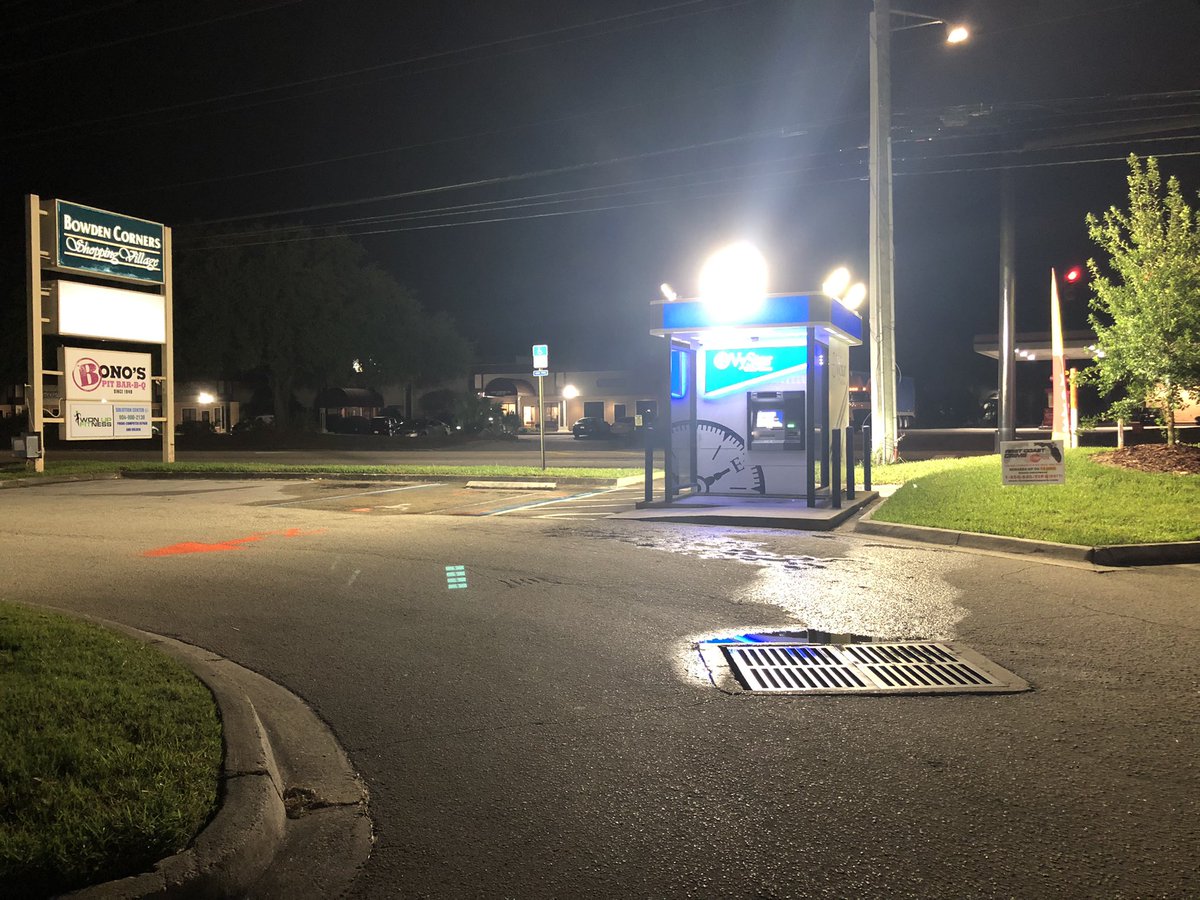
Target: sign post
{"points": [[541, 368]]}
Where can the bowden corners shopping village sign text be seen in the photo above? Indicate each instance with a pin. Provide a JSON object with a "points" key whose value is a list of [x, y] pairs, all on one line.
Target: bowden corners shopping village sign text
{"points": [[105, 243]]}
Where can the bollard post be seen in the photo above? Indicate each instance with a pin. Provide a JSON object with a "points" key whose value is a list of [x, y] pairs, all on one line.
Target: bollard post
{"points": [[649, 471], [866, 457], [835, 468], [850, 462]]}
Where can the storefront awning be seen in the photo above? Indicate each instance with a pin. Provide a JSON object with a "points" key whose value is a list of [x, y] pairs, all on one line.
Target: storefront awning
{"points": [[508, 387]]}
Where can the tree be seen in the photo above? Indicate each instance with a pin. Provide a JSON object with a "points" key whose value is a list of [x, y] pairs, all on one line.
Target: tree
{"points": [[301, 309], [1147, 315]]}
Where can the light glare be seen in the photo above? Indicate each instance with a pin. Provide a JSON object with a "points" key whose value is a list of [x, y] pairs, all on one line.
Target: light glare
{"points": [[957, 34], [734, 279], [855, 296], [205, 398], [570, 392], [668, 292], [836, 282]]}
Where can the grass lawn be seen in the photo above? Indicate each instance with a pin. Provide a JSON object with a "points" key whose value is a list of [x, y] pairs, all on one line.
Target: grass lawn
{"points": [[109, 754], [90, 467], [1097, 505]]}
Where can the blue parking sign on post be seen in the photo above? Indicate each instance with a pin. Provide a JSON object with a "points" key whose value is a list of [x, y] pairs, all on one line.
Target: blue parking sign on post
{"points": [[541, 356]]}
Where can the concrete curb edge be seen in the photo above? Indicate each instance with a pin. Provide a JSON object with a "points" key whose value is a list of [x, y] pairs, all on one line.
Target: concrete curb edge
{"points": [[1108, 556], [238, 844]]}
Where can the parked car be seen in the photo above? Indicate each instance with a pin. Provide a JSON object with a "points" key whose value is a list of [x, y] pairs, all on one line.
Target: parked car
{"points": [[423, 427], [193, 426], [590, 426], [253, 424], [385, 425], [625, 426], [348, 425]]}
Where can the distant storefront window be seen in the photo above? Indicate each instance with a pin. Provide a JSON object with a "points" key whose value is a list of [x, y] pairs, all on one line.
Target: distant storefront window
{"points": [[594, 409]]}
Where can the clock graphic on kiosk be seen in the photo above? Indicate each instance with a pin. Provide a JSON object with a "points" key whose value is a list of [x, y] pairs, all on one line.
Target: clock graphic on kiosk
{"points": [[721, 465]]}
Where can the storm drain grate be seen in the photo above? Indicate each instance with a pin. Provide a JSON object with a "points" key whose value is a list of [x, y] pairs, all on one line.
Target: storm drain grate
{"points": [[867, 668]]}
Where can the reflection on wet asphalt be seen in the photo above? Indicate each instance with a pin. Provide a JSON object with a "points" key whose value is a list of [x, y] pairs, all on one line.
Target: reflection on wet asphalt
{"points": [[890, 593]]}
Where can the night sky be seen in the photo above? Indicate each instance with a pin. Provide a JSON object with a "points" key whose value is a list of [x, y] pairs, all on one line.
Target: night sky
{"points": [[536, 169]]}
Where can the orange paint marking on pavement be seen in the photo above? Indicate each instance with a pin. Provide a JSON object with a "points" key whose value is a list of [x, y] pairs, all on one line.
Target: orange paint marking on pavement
{"points": [[220, 546]]}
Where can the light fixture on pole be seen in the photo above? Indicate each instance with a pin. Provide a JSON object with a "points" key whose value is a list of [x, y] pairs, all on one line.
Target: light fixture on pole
{"points": [[734, 279], [837, 285], [882, 306]]}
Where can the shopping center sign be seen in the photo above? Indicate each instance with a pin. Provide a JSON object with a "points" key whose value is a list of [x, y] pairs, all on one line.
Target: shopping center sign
{"points": [[103, 243]]}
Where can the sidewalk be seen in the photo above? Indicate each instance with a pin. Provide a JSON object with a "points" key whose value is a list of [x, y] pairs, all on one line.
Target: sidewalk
{"points": [[796, 515]]}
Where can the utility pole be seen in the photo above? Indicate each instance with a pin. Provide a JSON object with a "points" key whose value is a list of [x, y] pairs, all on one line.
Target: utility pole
{"points": [[1006, 402], [882, 304]]}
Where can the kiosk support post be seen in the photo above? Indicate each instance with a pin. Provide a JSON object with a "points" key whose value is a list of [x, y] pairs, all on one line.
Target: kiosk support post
{"points": [[850, 462], [648, 475], [835, 481], [866, 457]]}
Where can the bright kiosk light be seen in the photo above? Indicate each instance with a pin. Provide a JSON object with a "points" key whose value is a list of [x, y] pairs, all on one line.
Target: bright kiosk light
{"points": [[734, 279], [570, 392], [205, 398], [836, 282], [957, 34], [668, 292], [855, 296]]}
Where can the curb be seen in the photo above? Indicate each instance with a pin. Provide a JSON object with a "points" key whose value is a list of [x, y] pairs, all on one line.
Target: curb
{"points": [[1109, 556], [238, 845], [56, 479]]}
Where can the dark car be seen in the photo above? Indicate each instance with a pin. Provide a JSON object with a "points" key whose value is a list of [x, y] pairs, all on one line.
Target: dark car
{"points": [[193, 426], [385, 425], [253, 425], [591, 426]]}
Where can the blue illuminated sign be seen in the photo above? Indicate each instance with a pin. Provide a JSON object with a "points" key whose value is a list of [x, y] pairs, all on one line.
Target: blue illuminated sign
{"points": [[729, 370], [679, 375], [790, 310]]}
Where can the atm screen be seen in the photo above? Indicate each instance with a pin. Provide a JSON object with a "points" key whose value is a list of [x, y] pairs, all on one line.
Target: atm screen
{"points": [[775, 420]]}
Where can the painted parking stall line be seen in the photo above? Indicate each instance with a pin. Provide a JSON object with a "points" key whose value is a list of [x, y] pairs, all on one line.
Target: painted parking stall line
{"points": [[537, 503], [407, 487]]}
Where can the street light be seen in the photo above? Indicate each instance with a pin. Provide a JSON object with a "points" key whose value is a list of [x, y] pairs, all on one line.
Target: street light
{"points": [[882, 307]]}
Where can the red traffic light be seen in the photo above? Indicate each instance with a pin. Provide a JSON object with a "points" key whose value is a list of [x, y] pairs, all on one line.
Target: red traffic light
{"points": [[1073, 274]]}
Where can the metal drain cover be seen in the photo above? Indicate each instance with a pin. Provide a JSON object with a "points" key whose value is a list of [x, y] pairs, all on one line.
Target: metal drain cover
{"points": [[894, 668]]}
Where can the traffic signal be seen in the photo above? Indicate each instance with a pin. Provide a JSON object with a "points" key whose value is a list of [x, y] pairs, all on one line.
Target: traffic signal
{"points": [[1073, 275]]}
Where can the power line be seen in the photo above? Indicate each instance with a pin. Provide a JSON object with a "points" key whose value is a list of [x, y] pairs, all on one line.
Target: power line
{"points": [[438, 142], [664, 201], [75, 51], [675, 8], [502, 179], [87, 11]]}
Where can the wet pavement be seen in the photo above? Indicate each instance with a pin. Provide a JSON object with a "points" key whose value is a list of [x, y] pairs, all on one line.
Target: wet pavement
{"points": [[540, 731]]}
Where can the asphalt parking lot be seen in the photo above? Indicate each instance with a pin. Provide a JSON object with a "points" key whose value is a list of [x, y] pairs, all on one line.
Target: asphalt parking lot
{"points": [[454, 499]]}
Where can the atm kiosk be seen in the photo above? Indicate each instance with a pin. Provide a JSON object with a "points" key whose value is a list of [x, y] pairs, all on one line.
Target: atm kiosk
{"points": [[756, 396]]}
